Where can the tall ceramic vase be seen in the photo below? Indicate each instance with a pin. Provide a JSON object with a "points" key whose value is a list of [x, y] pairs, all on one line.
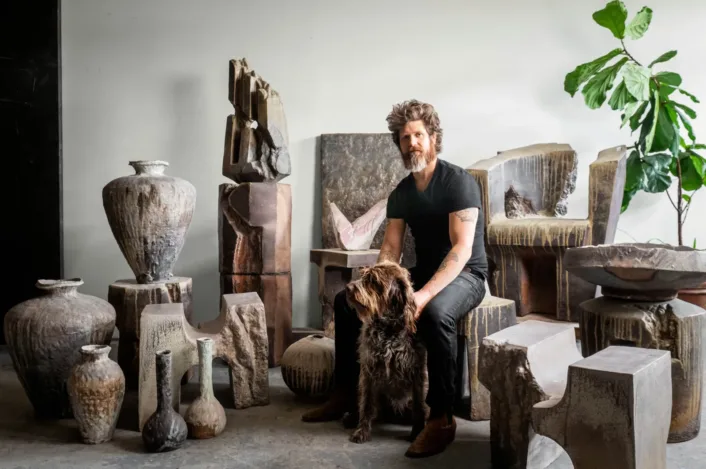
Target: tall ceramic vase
{"points": [[165, 430], [96, 388], [205, 417], [45, 336], [149, 214]]}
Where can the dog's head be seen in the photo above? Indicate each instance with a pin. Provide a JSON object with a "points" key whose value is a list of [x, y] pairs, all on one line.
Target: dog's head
{"points": [[383, 291]]}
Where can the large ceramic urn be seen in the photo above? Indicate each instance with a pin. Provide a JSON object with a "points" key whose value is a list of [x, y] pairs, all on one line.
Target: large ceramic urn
{"points": [[149, 214], [45, 336]]}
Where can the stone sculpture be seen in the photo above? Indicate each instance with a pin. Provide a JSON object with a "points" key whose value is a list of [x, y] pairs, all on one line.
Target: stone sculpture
{"points": [[522, 365], [639, 307], [254, 223], [615, 412], [357, 172], [45, 335], [240, 339], [96, 387], [257, 140], [492, 315], [359, 234], [129, 299], [524, 193], [259, 218]]}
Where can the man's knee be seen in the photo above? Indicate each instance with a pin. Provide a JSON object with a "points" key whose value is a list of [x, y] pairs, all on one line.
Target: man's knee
{"points": [[435, 318]]}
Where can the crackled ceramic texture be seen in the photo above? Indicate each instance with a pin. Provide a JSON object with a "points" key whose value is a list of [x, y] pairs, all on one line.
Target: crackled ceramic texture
{"points": [[149, 214], [45, 335], [96, 388]]}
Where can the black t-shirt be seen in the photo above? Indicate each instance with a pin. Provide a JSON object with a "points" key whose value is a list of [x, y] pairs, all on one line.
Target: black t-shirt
{"points": [[450, 189]]}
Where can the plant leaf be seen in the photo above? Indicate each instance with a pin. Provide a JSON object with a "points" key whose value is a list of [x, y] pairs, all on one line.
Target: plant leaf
{"points": [[634, 174], [620, 98], [663, 58], [613, 17], [669, 78], [635, 118], [649, 138], [692, 171], [656, 172], [691, 96], [628, 194], [640, 23], [666, 90], [687, 125], [583, 72], [595, 90], [686, 197], [699, 146], [637, 80], [689, 112]]}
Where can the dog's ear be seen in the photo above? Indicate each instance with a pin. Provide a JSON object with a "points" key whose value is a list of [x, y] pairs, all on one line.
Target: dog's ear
{"points": [[402, 299]]}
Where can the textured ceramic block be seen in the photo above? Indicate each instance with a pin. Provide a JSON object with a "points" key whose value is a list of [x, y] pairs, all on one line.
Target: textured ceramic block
{"points": [[240, 338], [616, 411]]}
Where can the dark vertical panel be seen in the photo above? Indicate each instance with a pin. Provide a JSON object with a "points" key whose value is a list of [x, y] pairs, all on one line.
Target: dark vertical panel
{"points": [[30, 148]]}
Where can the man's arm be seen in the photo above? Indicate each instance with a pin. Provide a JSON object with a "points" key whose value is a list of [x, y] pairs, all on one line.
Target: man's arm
{"points": [[391, 248], [462, 228]]}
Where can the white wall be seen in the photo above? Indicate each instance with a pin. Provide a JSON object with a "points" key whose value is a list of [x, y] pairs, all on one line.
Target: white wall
{"points": [[147, 79]]}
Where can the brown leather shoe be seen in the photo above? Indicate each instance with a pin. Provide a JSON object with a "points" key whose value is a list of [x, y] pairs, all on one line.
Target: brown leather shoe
{"points": [[434, 439], [338, 404]]}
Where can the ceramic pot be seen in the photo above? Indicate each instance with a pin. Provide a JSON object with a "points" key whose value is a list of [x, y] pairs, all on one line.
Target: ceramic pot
{"points": [[96, 388], [205, 417], [45, 336], [149, 214], [308, 366], [165, 430]]}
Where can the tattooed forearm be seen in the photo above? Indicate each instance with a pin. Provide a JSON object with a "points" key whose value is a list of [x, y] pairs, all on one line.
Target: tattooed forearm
{"points": [[467, 215], [450, 257]]}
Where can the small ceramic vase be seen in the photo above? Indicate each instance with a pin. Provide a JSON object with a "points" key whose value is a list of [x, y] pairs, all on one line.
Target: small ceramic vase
{"points": [[308, 365], [96, 388], [165, 430], [205, 417]]}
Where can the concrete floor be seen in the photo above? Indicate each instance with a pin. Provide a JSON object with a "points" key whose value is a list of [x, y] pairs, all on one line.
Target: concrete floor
{"points": [[265, 437]]}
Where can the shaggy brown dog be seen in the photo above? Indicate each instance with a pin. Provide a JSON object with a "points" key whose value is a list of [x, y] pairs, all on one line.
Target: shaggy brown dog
{"points": [[392, 358]]}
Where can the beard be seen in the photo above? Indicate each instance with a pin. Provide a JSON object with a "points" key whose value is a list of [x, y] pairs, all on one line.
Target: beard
{"points": [[416, 160]]}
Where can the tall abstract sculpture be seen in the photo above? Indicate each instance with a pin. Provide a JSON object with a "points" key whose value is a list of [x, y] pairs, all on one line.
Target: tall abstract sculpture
{"points": [[255, 213]]}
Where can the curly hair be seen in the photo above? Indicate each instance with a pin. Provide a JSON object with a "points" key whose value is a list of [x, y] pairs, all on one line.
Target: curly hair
{"points": [[413, 110]]}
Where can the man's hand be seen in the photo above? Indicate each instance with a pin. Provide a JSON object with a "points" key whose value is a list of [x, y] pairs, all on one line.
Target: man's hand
{"points": [[421, 298]]}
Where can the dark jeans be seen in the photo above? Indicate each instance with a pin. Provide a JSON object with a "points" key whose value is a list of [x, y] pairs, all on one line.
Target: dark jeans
{"points": [[436, 326]]}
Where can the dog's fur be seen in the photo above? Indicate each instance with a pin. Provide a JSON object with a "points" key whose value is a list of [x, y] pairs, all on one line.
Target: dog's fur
{"points": [[392, 357]]}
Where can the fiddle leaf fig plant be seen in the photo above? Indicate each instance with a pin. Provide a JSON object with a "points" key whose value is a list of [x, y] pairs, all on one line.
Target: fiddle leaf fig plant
{"points": [[665, 147]]}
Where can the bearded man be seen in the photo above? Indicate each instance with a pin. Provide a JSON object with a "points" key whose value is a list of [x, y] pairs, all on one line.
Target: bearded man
{"points": [[441, 204]]}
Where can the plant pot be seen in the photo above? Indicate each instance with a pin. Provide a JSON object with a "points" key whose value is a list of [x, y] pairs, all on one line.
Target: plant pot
{"points": [[96, 388], [149, 214], [165, 430], [45, 336], [308, 366], [695, 296], [205, 417]]}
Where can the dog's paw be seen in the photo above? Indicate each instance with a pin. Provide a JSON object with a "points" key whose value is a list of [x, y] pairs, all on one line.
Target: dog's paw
{"points": [[360, 436]]}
